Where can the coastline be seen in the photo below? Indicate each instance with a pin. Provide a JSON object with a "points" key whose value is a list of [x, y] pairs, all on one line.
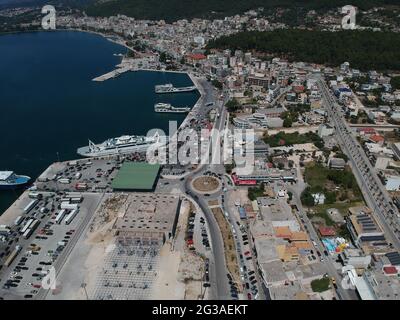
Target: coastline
{"points": [[13, 204]]}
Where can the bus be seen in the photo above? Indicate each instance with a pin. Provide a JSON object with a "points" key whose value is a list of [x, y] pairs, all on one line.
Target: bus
{"points": [[60, 216], [31, 205], [68, 206], [4, 229], [71, 216], [81, 186], [12, 256], [35, 195], [76, 200], [18, 220], [33, 227], [26, 226]]}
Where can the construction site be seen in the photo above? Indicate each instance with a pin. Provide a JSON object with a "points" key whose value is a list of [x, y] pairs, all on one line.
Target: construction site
{"points": [[135, 249]]}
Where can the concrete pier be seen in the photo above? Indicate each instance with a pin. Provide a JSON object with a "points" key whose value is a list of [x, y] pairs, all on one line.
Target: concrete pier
{"points": [[112, 74]]}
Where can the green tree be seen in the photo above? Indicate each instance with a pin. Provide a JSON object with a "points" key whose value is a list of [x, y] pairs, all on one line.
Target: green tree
{"points": [[232, 105], [287, 122], [306, 198]]}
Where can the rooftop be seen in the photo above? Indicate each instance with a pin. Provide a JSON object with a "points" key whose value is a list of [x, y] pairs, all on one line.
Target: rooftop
{"points": [[136, 176], [148, 213], [4, 175]]}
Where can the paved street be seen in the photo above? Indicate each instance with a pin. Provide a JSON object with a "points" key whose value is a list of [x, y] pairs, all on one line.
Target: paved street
{"points": [[328, 262], [374, 192]]}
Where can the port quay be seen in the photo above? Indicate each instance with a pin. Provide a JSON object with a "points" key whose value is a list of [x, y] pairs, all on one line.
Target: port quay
{"points": [[63, 210], [126, 66], [88, 179], [10, 214]]}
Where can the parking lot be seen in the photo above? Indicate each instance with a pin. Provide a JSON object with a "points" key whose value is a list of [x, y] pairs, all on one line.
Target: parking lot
{"points": [[128, 272], [93, 175], [45, 246]]}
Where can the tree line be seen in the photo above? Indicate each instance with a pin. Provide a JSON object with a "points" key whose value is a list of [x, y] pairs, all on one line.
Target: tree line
{"points": [[364, 50], [173, 10]]}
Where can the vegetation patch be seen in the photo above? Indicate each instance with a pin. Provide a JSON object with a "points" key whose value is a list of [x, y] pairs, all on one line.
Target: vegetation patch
{"points": [[364, 50], [229, 244], [173, 10], [320, 285], [285, 139], [254, 192]]}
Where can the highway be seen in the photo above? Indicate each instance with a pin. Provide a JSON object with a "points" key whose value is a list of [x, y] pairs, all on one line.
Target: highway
{"points": [[375, 194]]}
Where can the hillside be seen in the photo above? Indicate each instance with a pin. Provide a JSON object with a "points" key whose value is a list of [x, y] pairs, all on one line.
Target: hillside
{"points": [[363, 49], [172, 10]]}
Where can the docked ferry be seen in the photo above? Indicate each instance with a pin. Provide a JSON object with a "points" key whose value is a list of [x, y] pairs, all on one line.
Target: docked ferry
{"points": [[10, 180], [121, 145], [168, 108], [169, 88]]}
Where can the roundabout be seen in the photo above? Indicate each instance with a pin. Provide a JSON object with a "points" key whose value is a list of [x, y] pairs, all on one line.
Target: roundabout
{"points": [[206, 184]]}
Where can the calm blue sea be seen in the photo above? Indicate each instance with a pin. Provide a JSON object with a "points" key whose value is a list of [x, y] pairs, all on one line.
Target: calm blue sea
{"points": [[49, 105]]}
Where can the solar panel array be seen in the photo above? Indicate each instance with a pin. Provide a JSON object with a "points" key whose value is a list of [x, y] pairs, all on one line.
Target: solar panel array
{"points": [[394, 258], [366, 223]]}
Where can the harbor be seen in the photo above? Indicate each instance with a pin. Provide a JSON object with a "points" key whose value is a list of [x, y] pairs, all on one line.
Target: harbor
{"points": [[89, 110], [49, 222]]}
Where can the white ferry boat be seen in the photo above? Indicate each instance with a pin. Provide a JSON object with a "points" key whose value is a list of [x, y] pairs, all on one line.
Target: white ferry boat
{"points": [[169, 88], [168, 108], [121, 145]]}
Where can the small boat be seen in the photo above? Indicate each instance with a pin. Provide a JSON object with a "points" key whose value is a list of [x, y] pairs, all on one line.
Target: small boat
{"points": [[10, 180]]}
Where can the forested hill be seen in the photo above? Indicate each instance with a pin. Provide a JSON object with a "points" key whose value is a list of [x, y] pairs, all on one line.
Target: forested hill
{"points": [[172, 10], [365, 50]]}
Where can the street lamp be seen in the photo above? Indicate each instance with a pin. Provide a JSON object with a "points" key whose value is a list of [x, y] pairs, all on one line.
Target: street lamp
{"points": [[83, 285]]}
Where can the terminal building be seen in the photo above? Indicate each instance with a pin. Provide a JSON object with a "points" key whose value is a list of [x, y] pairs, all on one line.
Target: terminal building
{"points": [[148, 217]]}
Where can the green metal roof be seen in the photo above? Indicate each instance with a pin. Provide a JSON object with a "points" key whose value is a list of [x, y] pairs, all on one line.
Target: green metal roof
{"points": [[136, 176]]}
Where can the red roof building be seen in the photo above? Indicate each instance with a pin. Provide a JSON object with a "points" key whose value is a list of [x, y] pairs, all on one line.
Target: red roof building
{"points": [[195, 57], [376, 138], [390, 270], [366, 131], [327, 231], [298, 89]]}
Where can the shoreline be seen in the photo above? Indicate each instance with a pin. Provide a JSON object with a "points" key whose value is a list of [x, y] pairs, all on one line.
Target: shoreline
{"points": [[4, 216]]}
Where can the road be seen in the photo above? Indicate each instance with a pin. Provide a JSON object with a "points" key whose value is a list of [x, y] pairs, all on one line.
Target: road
{"points": [[375, 194], [218, 268], [328, 262]]}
